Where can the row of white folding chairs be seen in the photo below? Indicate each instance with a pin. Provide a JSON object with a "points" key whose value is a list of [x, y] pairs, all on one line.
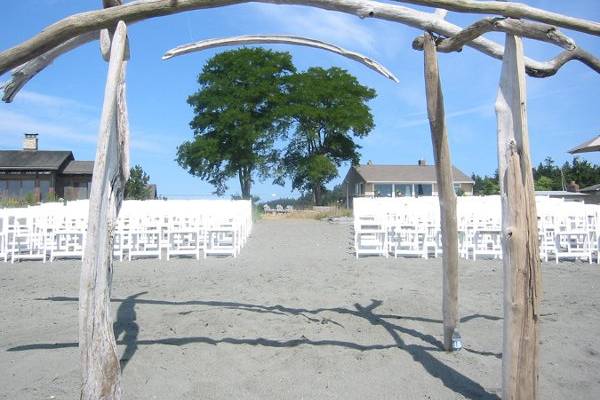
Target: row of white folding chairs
{"points": [[569, 230], [143, 229], [411, 227], [384, 235]]}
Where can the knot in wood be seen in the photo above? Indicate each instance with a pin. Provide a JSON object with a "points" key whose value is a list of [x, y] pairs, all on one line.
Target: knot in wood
{"points": [[417, 44], [365, 12]]}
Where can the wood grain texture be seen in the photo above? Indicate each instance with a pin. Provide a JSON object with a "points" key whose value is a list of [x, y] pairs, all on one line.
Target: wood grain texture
{"points": [[77, 24], [522, 279], [100, 370], [283, 39], [123, 126], [446, 194]]}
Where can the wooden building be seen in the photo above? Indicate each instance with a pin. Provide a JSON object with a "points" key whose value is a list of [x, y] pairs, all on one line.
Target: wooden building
{"points": [[398, 181], [43, 174]]}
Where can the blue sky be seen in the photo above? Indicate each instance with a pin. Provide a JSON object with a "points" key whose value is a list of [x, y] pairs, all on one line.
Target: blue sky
{"points": [[63, 103]]}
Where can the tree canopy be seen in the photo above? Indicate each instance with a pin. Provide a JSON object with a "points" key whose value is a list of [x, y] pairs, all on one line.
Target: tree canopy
{"points": [[328, 110], [547, 176], [251, 100], [238, 117]]}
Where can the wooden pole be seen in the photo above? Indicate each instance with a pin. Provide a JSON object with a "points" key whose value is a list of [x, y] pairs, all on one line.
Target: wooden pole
{"points": [[522, 279], [446, 194], [100, 371]]}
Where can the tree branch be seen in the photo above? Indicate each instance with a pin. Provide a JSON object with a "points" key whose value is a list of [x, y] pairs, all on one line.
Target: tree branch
{"points": [[23, 74], [513, 10], [533, 30], [294, 40]]}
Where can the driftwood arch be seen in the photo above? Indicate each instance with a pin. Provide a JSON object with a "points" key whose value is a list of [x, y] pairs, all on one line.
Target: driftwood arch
{"points": [[100, 366], [280, 39]]}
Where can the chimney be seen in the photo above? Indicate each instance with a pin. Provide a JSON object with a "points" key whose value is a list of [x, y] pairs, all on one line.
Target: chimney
{"points": [[422, 163], [572, 187], [30, 142]]}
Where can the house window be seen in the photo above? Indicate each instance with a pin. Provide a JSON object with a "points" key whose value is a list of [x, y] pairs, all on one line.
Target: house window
{"points": [[13, 188], [44, 189], [80, 190], [425, 189], [358, 189], [458, 189], [383, 190], [27, 187], [403, 190]]}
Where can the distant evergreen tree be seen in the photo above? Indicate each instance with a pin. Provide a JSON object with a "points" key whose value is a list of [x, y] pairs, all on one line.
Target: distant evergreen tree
{"points": [[136, 187]]}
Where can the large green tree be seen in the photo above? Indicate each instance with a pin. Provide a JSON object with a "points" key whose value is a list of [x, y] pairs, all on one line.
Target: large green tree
{"points": [[328, 109], [238, 117]]}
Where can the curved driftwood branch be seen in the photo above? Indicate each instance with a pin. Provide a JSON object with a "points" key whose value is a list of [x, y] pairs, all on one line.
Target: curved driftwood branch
{"points": [[23, 74], [533, 30], [77, 24], [514, 10], [284, 39], [551, 67]]}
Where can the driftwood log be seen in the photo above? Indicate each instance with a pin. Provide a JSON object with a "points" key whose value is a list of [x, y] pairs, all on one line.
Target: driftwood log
{"points": [[520, 248], [100, 370], [514, 10], [68, 28], [446, 194], [294, 40], [23, 74], [541, 32]]}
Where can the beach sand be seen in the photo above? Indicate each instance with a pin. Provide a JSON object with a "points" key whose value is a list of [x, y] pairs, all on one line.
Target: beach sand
{"points": [[295, 316]]}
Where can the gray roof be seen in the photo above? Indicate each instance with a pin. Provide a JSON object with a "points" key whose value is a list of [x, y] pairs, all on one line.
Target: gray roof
{"points": [[593, 188], [79, 168], [38, 160], [404, 173]]}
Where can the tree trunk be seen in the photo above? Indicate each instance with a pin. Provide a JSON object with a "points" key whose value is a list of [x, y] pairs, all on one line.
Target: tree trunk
{"points": [[318, 194], [100, 371], [446, 194], [522, 280], [245, 178]]}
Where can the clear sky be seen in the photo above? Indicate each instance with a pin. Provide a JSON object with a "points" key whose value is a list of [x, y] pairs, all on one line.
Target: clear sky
{"points": [[63, 103]]}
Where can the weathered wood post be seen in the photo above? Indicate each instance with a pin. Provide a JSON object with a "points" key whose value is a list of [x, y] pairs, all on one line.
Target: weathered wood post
{"points": [[522, 279], [446, 194], [100, 371]]}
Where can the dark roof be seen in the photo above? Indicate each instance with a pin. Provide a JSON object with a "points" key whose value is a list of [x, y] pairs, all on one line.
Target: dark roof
{"points": [[593, 188], [79, 168], [404, 173], [36, 160]]}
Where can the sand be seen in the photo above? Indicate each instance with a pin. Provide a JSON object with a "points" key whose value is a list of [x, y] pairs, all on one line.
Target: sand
{"points": [[295, 316]]}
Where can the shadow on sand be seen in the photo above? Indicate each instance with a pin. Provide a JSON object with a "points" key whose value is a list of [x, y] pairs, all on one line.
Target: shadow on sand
{"points": [[451, 378]]}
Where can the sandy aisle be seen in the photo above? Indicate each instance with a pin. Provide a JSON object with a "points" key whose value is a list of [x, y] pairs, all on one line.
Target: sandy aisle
{"points": [[294, 317]]}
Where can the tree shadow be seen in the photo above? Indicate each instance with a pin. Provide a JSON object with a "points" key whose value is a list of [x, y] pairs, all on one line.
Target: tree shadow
{"points": [[451, 378], [126, 323]]}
